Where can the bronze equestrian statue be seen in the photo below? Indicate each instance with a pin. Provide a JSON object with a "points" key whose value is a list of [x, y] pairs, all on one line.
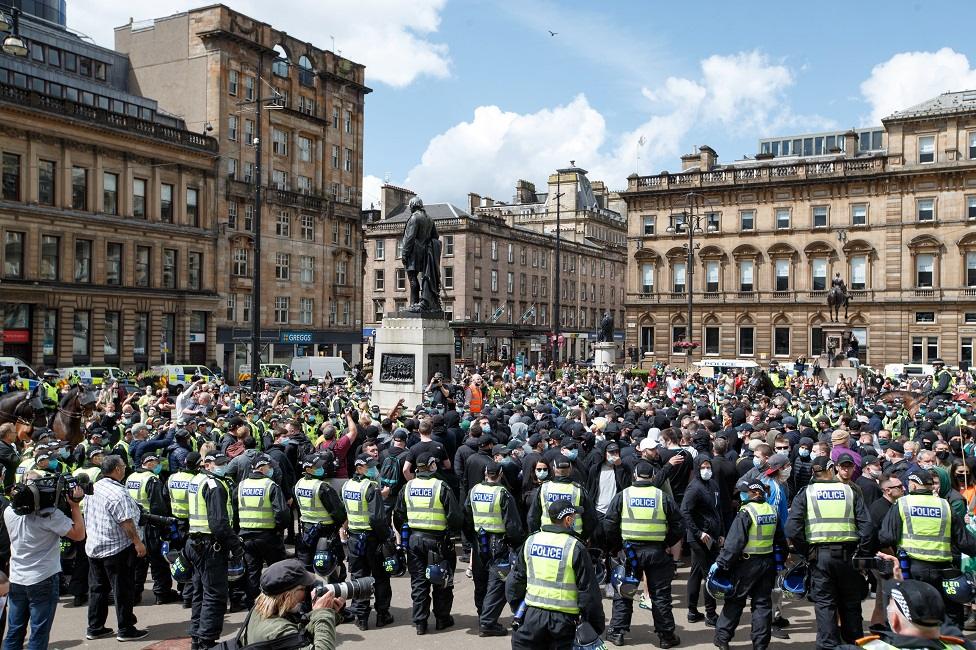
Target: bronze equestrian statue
{"points": [[837, 297]]}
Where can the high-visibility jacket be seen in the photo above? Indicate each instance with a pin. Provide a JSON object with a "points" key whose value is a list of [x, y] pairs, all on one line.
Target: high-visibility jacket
{"points": [[138, 486], [477, 399], [199, 514], [642, 516], [311, 510], [179, 492], [926, 523], [875, 643], [830, 513], [486, 508], [778, 380], [354, 493], [554, 490], [254, 509], [550, 578], [425, 509], [93, 473], [24, 467], [763, 531]]}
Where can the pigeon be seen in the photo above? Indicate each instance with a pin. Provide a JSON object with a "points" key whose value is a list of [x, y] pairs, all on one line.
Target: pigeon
{"points": [[552, 33]]}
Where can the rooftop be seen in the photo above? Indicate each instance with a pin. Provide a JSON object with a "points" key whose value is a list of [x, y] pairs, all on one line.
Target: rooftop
{"points": [[948, 103], [436, 211]]}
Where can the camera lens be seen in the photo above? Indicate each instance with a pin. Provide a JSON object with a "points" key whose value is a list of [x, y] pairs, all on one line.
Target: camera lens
{"points": [[355, 589]]}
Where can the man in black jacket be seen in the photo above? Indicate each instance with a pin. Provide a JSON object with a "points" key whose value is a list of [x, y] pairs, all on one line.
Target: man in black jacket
{"points": [[9, 457], [705, 529]]}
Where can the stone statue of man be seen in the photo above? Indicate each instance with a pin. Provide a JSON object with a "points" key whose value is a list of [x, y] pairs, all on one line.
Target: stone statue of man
{"points": [[606, 328], [422, 259]]}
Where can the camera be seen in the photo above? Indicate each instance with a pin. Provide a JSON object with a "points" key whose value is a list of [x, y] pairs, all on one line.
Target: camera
{"points": [[43, 495], [886, 568], [357, 589]]}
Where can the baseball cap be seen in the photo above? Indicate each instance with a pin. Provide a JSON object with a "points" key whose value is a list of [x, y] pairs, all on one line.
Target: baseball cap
{"points": [[400, 434], [920, 477], [644, 469], [611, 447], [561, 462], [493, 468], [95, 450], [746, 484], [425, 459], [897, 447], [648, 443], [259, 460], [821, 463], [312, 460], [216, 458], [364, 459], [284, 576], [919, 602], [845, 458], [775, 463], [562, 508]]}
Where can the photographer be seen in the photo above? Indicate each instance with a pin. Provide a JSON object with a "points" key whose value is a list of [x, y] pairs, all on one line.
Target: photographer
{"points": [[35, 562], [277, 611], [437, 392]]}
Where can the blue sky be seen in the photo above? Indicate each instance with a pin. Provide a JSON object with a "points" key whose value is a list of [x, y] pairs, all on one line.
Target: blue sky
{"points": [[470, 95]]}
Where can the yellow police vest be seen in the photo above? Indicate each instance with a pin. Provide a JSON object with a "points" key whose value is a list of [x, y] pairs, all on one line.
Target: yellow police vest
{"points": [[310, 505], [138, 486], [93, 473], [254, 504], [926, 522], [486, 508], [179, 490], [777, 380], [550, 577], [830, 514], [23, 468], [199, 515], [354, 494], [425, 510], [554, 490], [763, 531], [642, 517], [124, 445]]}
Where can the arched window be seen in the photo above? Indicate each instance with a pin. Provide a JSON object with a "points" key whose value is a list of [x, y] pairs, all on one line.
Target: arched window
{"points": [[280, 66], [306, 75]]}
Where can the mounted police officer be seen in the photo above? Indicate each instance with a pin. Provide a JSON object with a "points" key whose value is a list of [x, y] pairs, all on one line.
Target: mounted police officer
{"points": [[148, 490], [942, 383], [645, 522], [493, 525], [263, 513], [429, 509], [553, 578], [830, 522]]}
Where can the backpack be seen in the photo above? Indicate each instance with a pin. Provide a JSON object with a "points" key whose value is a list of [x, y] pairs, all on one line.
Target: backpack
{"points": [[391, 472]]}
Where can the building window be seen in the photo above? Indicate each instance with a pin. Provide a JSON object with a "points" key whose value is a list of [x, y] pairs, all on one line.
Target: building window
{"points": [[50, 333], [711, 276], [333, 311], [510, 284], [924, 270], [279, 142], [379, 306], [166, 203], [283, 224], [110, 193], [45, 182], [859, 273], [746, 272], [246, 309], [971, 269], [781, 341], [820, 216], [232, 127], [965, 352], [677, 334], [192, 202], [782, 218], [282, 266], [925, 209], [348, 122], [712, 221], [346, 312], [281, 309], [13, 255], [971, 207], [113, 264], [50, 257], [81, 336], [747, 341], [859, 214], [11, 177], [305, 311], [401, 279], [79, 188], [448, 245], [494, 280], [139, 198], [233, 78], [348, 160], [306, 105], [249, 217], [647, 278], [347, 234], [241, 258], [448, 277], [232, 215], [818, 274], [248, 87], [816, 341], [304, 149], [925, 349], [379, 248], [494, 250], [279, 179], [925, 317], [308, 227], [926, 149], [379, 279], [306, 265], [231, 305], [110, 345], [341, 273], [142, 265], [83, 259], [972, 145], [650, 225], [782, 269], [140, 341], [335, 156], [248, 139], [712, 340], [747, 220], [194, 268], [335, 238], [169, 268], [678, 277]]}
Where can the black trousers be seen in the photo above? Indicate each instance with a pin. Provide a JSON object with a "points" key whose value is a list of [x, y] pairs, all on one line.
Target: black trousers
{"points": [[369, 563], [112, 575], [155, 562], [78, 583], [934, 573], [489, 591], [657, 568], [836, 590], [260, 547], [422, 593], [702, 558], [754, 578], [306, 551], [545, 630], [210, 587]]}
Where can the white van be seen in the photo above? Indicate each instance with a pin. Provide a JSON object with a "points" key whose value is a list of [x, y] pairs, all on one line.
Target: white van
{"points": [[715, 367], [913, 370], [14, 366], [179, 377], [306, 368], [92, 375]]}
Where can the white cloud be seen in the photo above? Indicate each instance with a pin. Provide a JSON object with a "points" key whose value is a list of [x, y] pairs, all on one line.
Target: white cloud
{"points": [[372, 196], [390, 37], [908, 78]]}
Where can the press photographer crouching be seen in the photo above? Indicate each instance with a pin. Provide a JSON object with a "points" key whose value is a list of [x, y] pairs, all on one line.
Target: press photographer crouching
{"points": [[276, 620], [43, 510]]}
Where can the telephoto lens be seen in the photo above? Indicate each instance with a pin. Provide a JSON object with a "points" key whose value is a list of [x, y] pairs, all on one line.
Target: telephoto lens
{"points": [[355, 589]]}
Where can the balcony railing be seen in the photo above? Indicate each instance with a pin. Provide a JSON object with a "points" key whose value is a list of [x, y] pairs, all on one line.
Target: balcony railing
{"points": [[273, 194]]}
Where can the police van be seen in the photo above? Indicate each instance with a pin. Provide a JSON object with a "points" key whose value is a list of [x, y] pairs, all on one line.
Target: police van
{"points": [[27, 378], [179, 377], [92, 375], [718, 367]]}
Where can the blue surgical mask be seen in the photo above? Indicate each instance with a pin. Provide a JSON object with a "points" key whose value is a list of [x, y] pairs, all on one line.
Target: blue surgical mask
{"points": [[219, 470], [804, 452], [372, 473], [908, 455], [743, 496], [158, 469], [485, 428], [52, 464], [541, 474], [64, 453], [757, 462], [572, 454], [318, 472]]}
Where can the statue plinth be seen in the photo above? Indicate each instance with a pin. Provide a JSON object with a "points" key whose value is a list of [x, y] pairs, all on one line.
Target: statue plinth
{"points": [[409, 348], [604, 355], [833, 361]]}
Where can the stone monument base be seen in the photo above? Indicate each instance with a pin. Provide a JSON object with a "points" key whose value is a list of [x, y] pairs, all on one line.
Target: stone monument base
{"points": [[604, 355], [408, 350]]}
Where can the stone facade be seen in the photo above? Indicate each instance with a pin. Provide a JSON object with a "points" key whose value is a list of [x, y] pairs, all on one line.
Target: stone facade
{"points": [[896, 223], [211, 64]]}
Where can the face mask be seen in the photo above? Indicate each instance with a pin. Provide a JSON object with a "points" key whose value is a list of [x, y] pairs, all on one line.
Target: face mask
{"points": [[786, 472], [908, 455], [268, 471], [925, 465], [743, 496], [541, 474], [889, 414], [64, 453], [219, 470], [318, 472], [158, 469], [52, 464], [372, 473], [613, 460], [757, 462], [706, 474], [485, 428], [814, 455], [804, 452], [572, 454], [942, 455]]}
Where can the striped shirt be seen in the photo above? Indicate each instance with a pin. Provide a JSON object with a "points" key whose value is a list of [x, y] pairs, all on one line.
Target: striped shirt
{"points": [[105, 509]]}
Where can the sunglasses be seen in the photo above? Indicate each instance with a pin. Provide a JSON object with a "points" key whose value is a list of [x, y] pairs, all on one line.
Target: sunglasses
{"points": [[962, 474], [782, 449]]}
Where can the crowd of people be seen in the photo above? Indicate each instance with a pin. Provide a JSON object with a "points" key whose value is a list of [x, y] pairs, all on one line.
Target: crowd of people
{"points": [[553, 489]]}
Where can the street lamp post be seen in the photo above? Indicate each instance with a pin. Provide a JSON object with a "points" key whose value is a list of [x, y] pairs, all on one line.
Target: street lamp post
{"points": [[256, 285], [13, 43], [692, 224], [556, 295]]}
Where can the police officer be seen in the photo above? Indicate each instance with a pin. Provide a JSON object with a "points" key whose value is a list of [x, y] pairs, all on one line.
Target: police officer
{"points": [[262, 513], [368, 530], [321, 512], [178, 486], [562, 486], [86, 476], [148, 490], [942, 383], [647, 520], [748, 554], [49, 391], [493, 525], [830, 522], [212, 539], [553, 577], [922, 524], [429, 509]]}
